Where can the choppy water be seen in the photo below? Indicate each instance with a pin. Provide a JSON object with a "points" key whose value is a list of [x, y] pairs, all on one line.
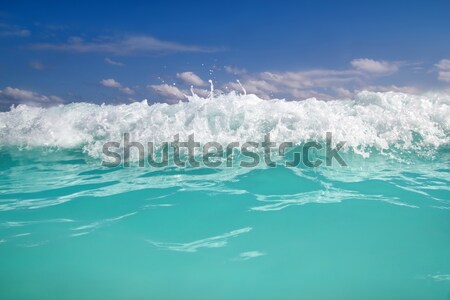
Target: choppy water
{"points": [[377, 229]]}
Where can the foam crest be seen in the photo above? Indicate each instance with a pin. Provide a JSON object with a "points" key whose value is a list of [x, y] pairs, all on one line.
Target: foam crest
{"points": [[378, 121]]}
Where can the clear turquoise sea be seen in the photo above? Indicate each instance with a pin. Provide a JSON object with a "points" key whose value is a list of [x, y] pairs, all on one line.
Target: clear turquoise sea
{"points": [[72, 229]]}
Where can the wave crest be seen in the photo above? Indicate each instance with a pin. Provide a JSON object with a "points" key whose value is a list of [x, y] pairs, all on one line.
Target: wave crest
{"points": [[371, 120]]}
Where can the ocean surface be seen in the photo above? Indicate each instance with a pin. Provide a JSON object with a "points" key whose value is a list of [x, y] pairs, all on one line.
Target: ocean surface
{"points": [[378, 228]]}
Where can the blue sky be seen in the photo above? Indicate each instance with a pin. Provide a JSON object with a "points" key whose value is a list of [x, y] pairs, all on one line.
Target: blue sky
{"points": [[60, 51]]}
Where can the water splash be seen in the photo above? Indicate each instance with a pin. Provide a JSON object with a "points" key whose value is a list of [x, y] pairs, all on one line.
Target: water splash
{"points": [[370, 122]]}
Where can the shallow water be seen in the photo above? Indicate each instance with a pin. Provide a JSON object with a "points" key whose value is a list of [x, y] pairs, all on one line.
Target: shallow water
{"points": [[70, 228]]}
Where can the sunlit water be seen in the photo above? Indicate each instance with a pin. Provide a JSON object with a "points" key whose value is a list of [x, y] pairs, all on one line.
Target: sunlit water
{"points": [[376, 229]]}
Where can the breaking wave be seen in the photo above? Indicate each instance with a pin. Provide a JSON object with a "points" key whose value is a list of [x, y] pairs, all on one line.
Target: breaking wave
{"points": [[371, 121]]}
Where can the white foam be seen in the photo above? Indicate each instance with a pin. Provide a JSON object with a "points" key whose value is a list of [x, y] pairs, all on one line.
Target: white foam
{"points": [[375, 120]]}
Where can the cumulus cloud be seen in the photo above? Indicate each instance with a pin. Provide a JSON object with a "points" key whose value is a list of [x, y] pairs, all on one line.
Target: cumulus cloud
{"points": [[320, 83], [234, 70], [325, 84], [170, 91], [443, 64], [112, 83], [10, 95], [255, 86], [201, 92], [374, 66], [310, 78], [120, 45], [444, 76], [343, 92], [391, 88], [113, 62], [301, 84], [444, 70], [191, 78], [13, 31]]}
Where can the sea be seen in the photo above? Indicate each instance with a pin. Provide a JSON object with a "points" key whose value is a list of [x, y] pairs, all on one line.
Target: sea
{"points": [[378, 227]]}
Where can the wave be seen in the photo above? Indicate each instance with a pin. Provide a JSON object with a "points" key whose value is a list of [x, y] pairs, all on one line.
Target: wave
{"points": [[371, 120]]}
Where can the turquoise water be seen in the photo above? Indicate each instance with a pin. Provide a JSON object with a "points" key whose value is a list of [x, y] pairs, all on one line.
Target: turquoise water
{"points": [[69, 228], [72, 229]]}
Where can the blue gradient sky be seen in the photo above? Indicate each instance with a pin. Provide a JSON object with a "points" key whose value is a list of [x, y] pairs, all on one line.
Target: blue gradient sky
{"points": [[57, 52]]}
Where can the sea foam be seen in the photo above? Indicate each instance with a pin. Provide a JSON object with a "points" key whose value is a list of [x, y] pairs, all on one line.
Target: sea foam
{"points": [[371, 120]]}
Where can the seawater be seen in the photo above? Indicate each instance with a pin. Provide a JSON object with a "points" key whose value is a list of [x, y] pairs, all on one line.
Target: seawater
{"points": [[376, 229]]}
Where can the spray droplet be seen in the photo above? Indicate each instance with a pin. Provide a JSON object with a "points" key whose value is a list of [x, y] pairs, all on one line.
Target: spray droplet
{"points": [[211, 95], [242, 87]]}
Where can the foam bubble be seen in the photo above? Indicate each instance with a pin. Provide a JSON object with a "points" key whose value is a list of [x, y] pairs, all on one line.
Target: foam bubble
{"points": [[372, 120]]}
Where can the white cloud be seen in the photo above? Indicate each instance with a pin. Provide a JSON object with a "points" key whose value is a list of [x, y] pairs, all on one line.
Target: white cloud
{"points": [[113, 62], [390, 88], [299, 85], [343, 92], [310, 78], [234, 70], [37, 65], [112, 83], [169, 91], [191, 78], [310, 93], [10, 95], [255, 86], [443, 64], [201, 92], [320, 83], [325, 84], [13, 31], [444, 70], [121, 46], [444, 76], [374, 66]]}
